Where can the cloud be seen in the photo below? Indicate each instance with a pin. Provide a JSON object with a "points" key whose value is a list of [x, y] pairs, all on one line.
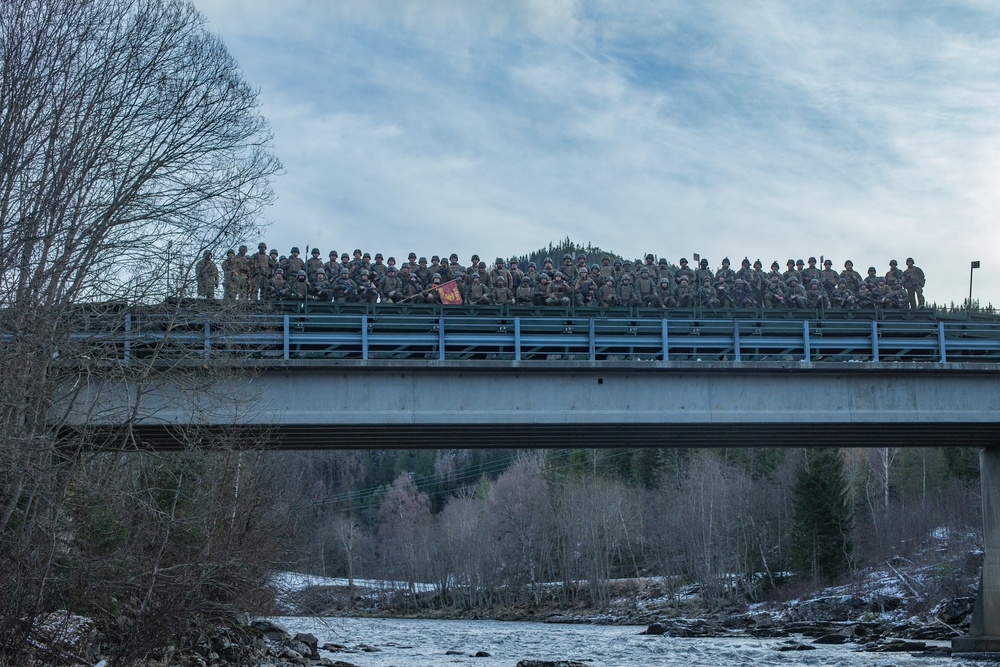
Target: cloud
{"points": [[770, 129]]}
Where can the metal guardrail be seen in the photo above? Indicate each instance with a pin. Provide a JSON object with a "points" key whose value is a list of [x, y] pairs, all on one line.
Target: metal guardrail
{"points": [[517, 337]]}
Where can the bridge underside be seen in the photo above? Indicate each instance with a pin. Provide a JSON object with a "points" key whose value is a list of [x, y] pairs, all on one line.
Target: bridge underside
{"points": [[350, 405]]}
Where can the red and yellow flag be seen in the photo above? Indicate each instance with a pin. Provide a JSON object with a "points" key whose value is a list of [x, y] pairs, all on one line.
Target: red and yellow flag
{"points": [[449, 293]]}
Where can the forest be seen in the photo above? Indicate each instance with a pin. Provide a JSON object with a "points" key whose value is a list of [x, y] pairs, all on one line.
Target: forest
{"points": [[496, 528]]}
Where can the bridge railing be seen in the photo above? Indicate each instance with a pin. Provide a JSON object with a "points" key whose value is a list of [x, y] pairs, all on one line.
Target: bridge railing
{"points": [[436, 337]]}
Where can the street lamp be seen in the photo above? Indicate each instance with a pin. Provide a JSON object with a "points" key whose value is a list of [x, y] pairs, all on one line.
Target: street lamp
{"points": [[975, 265]]}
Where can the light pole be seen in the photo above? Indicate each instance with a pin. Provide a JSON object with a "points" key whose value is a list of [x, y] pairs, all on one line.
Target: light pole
{"points": [[973, 267]]}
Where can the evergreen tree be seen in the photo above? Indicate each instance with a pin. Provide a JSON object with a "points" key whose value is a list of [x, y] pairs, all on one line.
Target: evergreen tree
{"points": [[822, 545]]}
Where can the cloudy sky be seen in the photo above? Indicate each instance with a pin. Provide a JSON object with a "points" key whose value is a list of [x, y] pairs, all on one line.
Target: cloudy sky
{"points": [[773, 129]]}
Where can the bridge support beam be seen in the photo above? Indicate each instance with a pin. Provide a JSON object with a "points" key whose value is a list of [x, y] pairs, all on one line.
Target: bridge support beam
{"points": [[984, 632]]}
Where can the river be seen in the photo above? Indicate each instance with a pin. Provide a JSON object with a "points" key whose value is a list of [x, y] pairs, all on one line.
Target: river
{"points": [[425, 643]]}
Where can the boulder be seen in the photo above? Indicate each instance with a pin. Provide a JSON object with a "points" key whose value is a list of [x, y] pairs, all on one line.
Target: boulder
{"points": [[62, 632], [311, 642], [654, 629], [272, 631], [482, 654], [796, 646], [551, 663], [833, 638], [894, 646]]}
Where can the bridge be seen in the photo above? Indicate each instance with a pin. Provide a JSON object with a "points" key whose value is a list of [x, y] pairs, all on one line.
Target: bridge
{"points": [[412, 377]]}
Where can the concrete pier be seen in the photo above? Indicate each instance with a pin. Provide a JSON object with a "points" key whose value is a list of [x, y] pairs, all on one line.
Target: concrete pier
{"points": [[984, 632]]}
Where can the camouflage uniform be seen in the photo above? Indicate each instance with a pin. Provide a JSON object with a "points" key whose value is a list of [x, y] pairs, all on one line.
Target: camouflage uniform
{"points": [[390, 289], [722, 292], [872, 279], [706, 294], [294, 264], [366, 288], [829, 278], [208, 276], [842, 297], [322, 288], [541, 290], [795, 297], [704, 272], [816, 296], [774, 293], [664, 293], [314, 264], [560, 293], [607, 294], [345, 289], [894, 273], [277, 288], [524, 294], [811, 273], [232, 278], [299, 290], [726, 273], [585, 289], [852, 277], [683, 272], [628, 295], [646, 288], [913, 282], [685, 295], [501, 294]]}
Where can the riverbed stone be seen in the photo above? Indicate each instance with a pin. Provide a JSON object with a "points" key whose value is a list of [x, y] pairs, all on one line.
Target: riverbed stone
{"points": [[551, 663], [311, 642], [271, 630], [482, 654], [654, 629]]}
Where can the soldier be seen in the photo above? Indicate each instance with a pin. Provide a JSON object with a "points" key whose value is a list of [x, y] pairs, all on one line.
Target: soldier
{"points": [[432, 295], [322, 288], [243, 270], [728, 275], [842, 297], [704, 272], [261, 268], [232, 287], [628, 295], [532, 275], [865, 298], [795, 296], [277, 288], [871, 279], [683, 272], [896, 296], [722, 293], [357, 265], [412, 290], [706, 294], [750, 278], [477, 293], [502, 293], [913, 283], [811, 273], [345, 289], [816, 296], [366, 288], [435, 266], [852, 277], [516, 274], [684, 294], [581, 263], [646, 288], [584, 289], [894, 272], [548, 269], [743, 295], [567, 268], [390, 289], [332, 266], [606, 269], [664, 293], [607, 294], [313, 265], [774, 272], [423, 272], [541, 289], [663, 271], [560, 293], [774, 293], [617, 271], [299, 290], [524, 294], [881, 294], [829, 278], [790, 273], [208, 276], [379, 269], [294, 264], [499, 270]]}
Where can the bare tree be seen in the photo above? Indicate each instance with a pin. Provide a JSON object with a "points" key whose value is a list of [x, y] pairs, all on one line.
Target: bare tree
{"points": [[125, 126]]}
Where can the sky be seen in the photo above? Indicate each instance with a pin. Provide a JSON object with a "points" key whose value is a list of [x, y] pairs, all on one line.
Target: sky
{"points": [[777, 129]]}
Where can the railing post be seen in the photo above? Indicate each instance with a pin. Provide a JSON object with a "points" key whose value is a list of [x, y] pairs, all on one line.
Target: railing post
{"points": [[593, 347], [517, 339], [663, 336], [941, 349], [364, 337], [875, 341], [286, 344], [208, 340], [128, 337], [806, 348], [441, 337], [736, 340]]}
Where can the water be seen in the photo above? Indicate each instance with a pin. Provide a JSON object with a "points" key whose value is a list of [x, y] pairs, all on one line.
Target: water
{"points": [[424, 643]]}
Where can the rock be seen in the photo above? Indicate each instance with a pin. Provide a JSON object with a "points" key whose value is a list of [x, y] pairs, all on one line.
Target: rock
{"points": [[310, 641], [954, 612], [341, 663], [482, 654], [272, 631], [830, 608], [453, 653], [796, 647], [654, 629], [64, 632], [371, 649], [831, 639], [894, 646], [300, 648], [551, 663], [334, 648]]}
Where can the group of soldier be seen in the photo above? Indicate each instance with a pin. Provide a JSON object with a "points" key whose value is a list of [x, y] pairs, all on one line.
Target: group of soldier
{"points": [[648, 283]]}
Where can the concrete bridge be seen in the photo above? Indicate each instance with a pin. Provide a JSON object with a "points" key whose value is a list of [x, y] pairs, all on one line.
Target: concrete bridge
{"points": [[359, 380]]}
